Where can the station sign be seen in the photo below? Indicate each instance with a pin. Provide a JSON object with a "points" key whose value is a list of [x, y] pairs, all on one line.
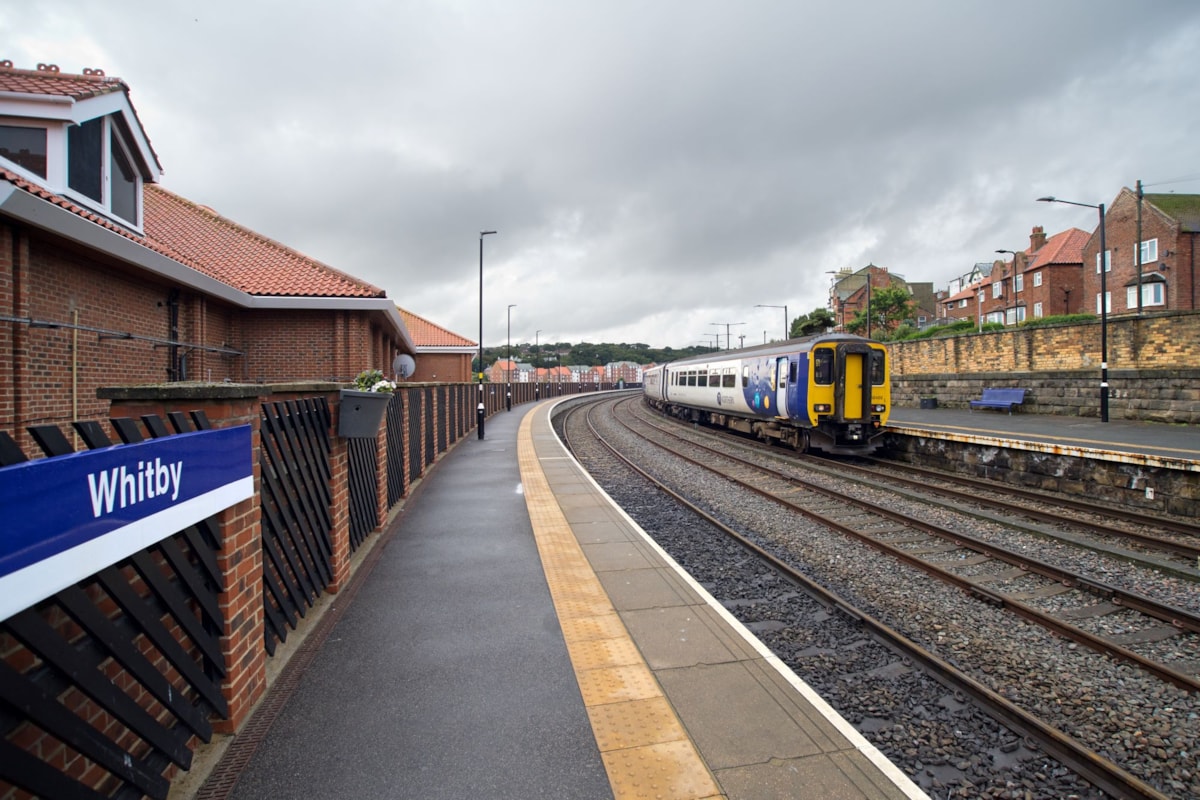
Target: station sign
{"points": [[65, 518]]}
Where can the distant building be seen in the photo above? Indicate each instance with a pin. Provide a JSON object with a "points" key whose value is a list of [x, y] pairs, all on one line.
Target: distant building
{"points": [[849, 294], [442, 356]]}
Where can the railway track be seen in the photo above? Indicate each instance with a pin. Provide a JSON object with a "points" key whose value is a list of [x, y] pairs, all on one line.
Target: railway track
{"points": [[1000, 576], [975, 567]]}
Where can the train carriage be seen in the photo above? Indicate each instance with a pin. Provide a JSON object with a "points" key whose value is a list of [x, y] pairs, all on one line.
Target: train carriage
{"points": [[829, 392]]}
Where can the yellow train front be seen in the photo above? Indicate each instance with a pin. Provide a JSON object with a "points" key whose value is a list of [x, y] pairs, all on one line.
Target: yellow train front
{"points": [[829, 392]]}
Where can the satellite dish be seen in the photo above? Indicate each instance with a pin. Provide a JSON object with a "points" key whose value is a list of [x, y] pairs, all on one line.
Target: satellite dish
{"points": [[403, 365]]}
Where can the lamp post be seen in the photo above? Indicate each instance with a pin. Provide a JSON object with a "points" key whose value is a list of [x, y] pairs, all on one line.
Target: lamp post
{"points": [[786, 332], [508, 362], [537, 364], [479, 412], [1013, 253], [1104, 264]]}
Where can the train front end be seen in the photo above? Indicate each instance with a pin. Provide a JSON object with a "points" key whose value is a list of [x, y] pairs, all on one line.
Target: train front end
{"points": [[848, 394]]}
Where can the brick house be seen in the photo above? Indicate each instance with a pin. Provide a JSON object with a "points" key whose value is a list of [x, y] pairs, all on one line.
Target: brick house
{"points": [[1169, 225], [442, 355], [107, 279], [1041, 281]]}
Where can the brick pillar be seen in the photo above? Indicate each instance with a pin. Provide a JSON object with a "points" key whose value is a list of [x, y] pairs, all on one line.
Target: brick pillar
{"points": [[339, 469], [238, 528]]}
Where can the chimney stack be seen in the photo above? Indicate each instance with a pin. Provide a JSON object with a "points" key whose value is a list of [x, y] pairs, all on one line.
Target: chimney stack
{"points": [[1037, 239]]}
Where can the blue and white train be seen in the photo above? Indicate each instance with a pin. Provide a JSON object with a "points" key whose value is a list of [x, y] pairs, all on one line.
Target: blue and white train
{"points": [[829, 392]]}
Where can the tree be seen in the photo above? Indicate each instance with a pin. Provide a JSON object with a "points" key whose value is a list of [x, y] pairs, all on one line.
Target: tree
{"points": [[818, 320], [890, 306]]}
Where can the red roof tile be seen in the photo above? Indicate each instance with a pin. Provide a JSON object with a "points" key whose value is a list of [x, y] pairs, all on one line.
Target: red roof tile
{"points": [[48, 81], [237, 256], [1061, 248], [428, 334], [200, 238]]}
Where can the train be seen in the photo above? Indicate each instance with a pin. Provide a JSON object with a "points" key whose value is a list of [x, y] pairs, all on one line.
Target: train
{"points": [[829, 392]]}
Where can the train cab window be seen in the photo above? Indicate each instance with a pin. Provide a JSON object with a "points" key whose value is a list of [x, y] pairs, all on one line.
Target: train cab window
{"points": [[823, 367], [877, 367]]}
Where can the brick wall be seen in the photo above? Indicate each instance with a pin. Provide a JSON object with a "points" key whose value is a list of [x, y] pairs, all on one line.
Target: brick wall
{"points": [[77, 299]]}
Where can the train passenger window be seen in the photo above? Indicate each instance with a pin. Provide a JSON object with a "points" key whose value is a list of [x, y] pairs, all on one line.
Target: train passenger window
{"points": [[791, 372], [728, 380], [823, 367], [745, 375], [714, 379], [877, 367], [702, 379]]}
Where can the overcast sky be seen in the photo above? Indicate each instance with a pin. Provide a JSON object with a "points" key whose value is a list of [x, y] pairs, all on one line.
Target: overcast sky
{"points": [[651, 167]]}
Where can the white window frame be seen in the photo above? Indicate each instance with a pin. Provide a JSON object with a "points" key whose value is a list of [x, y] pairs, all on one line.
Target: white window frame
{"points": [[108, 133], [1037, 278], [1037, 310], [1107, 262], [1107, 302], [997, 289], [962, 303], [1019, 282], [1149, 250], [1153, 294]]}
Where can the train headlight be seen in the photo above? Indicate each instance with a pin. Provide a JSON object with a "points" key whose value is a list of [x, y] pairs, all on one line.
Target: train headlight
{"points": [[879, 408], [822, 408]]}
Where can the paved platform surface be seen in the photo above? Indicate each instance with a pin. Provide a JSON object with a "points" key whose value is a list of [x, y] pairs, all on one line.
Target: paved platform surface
{"points": [[517, 636], [1177, 446]]}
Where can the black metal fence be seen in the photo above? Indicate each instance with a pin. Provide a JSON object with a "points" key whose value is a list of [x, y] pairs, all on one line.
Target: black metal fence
{"points": [[296, 505]]}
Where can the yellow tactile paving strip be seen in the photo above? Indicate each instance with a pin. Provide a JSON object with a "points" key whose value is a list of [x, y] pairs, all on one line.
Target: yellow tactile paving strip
{"points": [[645, 748]]}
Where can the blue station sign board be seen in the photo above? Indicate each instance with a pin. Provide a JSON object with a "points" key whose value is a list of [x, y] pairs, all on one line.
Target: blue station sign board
{"points": [[65, 518]]}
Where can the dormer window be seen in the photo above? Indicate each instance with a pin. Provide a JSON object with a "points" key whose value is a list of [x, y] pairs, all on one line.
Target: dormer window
{"points": [[77, 137], [99, 168]]}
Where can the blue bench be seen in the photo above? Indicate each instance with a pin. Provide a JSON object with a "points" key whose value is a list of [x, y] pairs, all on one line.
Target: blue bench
{"points": [[999, 398]]}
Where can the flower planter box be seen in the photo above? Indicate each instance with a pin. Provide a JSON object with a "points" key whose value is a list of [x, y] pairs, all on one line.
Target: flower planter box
{"points": [[360, 414]]}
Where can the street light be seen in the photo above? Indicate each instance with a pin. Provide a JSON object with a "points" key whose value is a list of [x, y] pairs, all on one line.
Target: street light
{"points": [[479, 412], [508, 364], [785, 318], [1104, 263]]}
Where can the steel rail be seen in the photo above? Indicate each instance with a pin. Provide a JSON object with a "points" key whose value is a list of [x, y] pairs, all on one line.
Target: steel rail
{"points": [[1169, 545], [1178, 618], [1101, 772]]}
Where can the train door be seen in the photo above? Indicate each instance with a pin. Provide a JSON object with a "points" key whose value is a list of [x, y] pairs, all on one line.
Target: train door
{"points": [[856, 389], [781, 387]]}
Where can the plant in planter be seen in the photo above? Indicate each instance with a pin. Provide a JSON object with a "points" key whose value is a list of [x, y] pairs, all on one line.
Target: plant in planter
{"points": [[362, 408]]}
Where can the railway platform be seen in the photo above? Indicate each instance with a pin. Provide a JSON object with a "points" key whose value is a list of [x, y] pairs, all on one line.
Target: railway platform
{"points": [[512, 634], [1176, 446]]}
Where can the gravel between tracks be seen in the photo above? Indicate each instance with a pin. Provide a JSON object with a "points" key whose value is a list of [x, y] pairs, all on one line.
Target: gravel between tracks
{"points": [[1150, 728]]}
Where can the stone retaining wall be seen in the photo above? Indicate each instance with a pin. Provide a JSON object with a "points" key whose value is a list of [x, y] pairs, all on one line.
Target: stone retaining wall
{"points": [[1153, 360]]}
